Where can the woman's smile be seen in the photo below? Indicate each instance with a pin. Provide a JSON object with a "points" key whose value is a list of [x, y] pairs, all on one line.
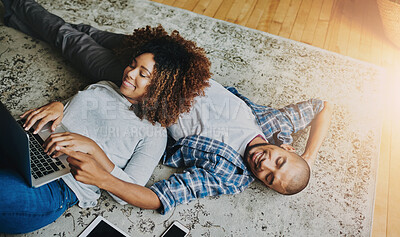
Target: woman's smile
{"points": [[126, 83]]}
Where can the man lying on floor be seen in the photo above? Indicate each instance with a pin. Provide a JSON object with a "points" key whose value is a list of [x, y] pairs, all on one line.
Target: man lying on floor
{"points": [[224, 143]]}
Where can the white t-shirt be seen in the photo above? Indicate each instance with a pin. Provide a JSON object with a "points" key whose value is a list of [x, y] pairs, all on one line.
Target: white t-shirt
{"points": [[135, 146], [219, 115]]}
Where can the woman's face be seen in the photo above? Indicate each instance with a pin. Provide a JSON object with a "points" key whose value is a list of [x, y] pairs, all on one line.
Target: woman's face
{"points": [[137, 77]]}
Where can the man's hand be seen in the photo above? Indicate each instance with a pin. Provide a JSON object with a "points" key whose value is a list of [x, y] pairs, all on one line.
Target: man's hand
{"points": [[50, 112], [288, 147], [85, 168], [77, 142]]}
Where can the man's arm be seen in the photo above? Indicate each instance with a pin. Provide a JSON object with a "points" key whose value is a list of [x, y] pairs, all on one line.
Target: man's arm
{"points": [[318, 132], [133, 194], [85, 169], [193, 183]]}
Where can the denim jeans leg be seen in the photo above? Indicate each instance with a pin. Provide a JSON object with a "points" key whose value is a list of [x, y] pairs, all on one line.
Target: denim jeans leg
{"points": [[24, 209]]}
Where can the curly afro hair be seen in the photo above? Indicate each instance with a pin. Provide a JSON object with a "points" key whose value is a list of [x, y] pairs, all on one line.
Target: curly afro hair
{"points": [[181, 72]]}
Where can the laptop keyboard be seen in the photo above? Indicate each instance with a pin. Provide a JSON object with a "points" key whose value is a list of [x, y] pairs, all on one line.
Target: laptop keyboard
{"points": [[41, 163]]}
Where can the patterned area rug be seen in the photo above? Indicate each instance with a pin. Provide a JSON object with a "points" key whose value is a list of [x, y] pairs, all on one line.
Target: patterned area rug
{"points": [[268, 69]]}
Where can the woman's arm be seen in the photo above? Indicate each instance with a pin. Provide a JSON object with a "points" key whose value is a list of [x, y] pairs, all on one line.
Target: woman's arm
{"points": [[86, 169], [318, 131]]}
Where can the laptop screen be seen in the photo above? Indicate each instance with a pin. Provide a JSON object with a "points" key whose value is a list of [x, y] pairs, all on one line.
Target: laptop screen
{"points": [[14, 145]]}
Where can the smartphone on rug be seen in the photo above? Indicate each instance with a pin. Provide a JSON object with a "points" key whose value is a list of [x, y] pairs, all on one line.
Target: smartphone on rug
{"points": [[101, 227], [176, 229]]}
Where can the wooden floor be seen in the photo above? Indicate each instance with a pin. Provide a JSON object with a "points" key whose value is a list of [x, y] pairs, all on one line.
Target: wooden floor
{"points": [[349, 27]]}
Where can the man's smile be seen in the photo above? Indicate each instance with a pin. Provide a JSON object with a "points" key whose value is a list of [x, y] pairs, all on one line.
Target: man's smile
{"points": [[256, 156]]}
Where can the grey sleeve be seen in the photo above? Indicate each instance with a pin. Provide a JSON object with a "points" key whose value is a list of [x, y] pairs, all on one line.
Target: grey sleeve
{"points": [[143, 161]]}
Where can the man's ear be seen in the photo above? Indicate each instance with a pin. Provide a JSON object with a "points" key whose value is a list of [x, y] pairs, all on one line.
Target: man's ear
{"points": [[288, 147]]}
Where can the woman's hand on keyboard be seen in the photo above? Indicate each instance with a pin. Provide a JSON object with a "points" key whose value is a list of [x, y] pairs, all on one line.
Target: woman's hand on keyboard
{"points": [[77, 142], [50, 112], [73, 141]]}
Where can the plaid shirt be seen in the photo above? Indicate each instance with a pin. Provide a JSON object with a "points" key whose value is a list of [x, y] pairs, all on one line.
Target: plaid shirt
{"points": [[213, 167]]}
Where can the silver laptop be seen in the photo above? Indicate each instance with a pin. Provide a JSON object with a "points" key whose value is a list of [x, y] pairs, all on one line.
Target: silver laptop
{"points": [[24, 151]]}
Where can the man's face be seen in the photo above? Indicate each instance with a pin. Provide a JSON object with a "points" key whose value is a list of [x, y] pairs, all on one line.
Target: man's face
{"points": [[273, 165]]}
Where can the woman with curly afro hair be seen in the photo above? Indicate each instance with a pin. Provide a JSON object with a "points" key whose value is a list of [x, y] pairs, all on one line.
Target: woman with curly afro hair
{"points": [[181, 73]]}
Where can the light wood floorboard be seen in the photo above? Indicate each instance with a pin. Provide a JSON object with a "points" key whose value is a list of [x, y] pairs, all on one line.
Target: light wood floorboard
{"points": [[349, 27]]}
